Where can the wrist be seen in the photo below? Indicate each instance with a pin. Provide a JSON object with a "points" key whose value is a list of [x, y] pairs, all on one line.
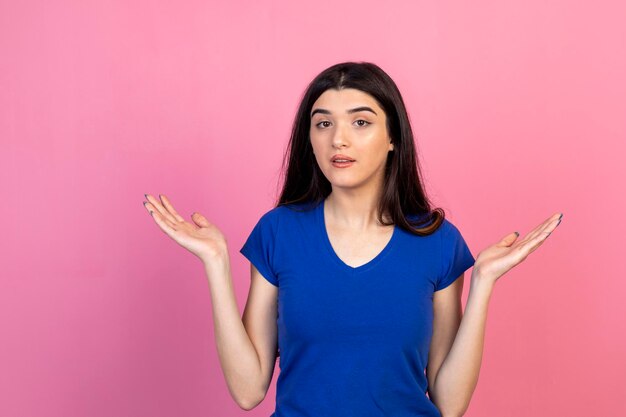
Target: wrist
{"points": [[216, 264], [482, 283]]}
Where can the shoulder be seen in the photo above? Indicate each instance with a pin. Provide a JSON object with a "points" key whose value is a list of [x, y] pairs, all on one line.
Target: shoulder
{"points": [[449, 236], [445, 227], [449, 230], [286, 213]]}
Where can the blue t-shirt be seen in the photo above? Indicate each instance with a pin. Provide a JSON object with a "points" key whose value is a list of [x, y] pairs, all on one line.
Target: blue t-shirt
{"points": [[352, 341]]}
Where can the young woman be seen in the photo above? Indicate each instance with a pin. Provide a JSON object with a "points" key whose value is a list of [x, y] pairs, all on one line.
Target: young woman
{"points": [[356, 279]]}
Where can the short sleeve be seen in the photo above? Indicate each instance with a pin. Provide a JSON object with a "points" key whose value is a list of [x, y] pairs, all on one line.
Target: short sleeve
{"points": [[455, 254], [259, 247]]}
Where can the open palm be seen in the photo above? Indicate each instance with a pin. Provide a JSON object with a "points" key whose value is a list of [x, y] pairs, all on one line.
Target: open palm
{"points": [[498, 259], [200, 237]]}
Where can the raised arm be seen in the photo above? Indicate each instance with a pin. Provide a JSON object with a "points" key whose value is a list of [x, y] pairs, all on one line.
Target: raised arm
{"points": [[245, 351], [458, 354]]}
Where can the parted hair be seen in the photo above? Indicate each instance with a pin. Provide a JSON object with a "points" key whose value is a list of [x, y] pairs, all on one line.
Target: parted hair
{"points": [[403, 197]]}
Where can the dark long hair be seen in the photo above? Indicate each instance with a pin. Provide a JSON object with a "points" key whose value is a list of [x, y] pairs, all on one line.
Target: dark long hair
{"points": [[403, 196]]}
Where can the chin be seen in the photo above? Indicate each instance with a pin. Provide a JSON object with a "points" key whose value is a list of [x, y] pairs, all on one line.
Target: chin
{"points": [[346, 184]]}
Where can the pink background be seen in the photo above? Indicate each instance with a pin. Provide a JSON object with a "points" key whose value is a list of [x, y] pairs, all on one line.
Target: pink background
{"points": [[519, 112]]}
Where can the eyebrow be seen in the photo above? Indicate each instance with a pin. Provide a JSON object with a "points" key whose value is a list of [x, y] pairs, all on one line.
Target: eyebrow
{"points": [[350, 111]]}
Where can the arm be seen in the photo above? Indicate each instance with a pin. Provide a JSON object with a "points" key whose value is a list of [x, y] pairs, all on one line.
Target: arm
{"points": [[452, 380], [246, 347], [457, 355]]}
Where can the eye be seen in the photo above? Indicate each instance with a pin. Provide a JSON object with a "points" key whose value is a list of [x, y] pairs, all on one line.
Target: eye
{"points": [[364, 121], [323, 121]]}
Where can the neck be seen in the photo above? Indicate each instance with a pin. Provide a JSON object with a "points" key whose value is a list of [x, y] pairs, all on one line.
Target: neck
{"points": [[353, 209]]}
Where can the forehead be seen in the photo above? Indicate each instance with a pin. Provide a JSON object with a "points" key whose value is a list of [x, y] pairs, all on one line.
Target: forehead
{"points": [[347, 98]]}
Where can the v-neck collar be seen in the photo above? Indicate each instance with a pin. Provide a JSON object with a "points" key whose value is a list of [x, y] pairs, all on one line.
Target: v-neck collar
{"points": [[350, 269]]}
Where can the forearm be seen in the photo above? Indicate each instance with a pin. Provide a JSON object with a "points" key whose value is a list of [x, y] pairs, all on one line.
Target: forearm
{"points": [[458, 375], [238, 357]]}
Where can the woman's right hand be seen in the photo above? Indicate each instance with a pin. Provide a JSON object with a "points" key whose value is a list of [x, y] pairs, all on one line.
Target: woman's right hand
{"points": [[201, 238]]}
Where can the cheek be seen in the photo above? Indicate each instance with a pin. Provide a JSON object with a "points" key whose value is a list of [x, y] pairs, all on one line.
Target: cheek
{"points": [[319, 147], [318, 154], [315, 148]]}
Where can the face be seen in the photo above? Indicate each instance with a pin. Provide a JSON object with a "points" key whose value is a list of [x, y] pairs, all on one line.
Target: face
{"points": [[351, 123]]}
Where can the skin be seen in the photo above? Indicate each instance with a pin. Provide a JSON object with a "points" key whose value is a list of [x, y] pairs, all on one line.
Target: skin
{"points": [[350, 215], [350, 209]]}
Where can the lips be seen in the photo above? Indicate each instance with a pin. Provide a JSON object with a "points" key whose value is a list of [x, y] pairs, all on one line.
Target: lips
{"points": [[340, 157]]}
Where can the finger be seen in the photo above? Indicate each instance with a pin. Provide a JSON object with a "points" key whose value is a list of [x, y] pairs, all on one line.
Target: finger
{"points": [[534, 242], [165, 225], [509, 239], [155, 205], [549, 224], [168, 206], [158, 217], [543, 225], [200, 220]]}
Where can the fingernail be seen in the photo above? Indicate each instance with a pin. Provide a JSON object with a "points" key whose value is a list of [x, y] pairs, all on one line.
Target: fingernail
{"points": [[561, 216], [146, 195], [517, 233], [151, 213], [144, 203]]}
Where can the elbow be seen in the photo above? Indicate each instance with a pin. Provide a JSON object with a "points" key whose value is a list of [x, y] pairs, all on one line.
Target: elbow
{"points": [[249, 403], [451, 410], [452, 413], [247, 397], [450, 405]]}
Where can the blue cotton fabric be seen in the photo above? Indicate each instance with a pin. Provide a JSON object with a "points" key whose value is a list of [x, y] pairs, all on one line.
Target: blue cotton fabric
{"points": [[352, 341]]}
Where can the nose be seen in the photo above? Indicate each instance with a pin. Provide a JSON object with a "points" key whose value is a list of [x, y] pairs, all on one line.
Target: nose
{"points": [[339, 137]]}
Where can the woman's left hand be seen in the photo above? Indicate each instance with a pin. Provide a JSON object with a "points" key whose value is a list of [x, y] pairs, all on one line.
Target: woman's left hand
{"points": [[499, 258]]}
